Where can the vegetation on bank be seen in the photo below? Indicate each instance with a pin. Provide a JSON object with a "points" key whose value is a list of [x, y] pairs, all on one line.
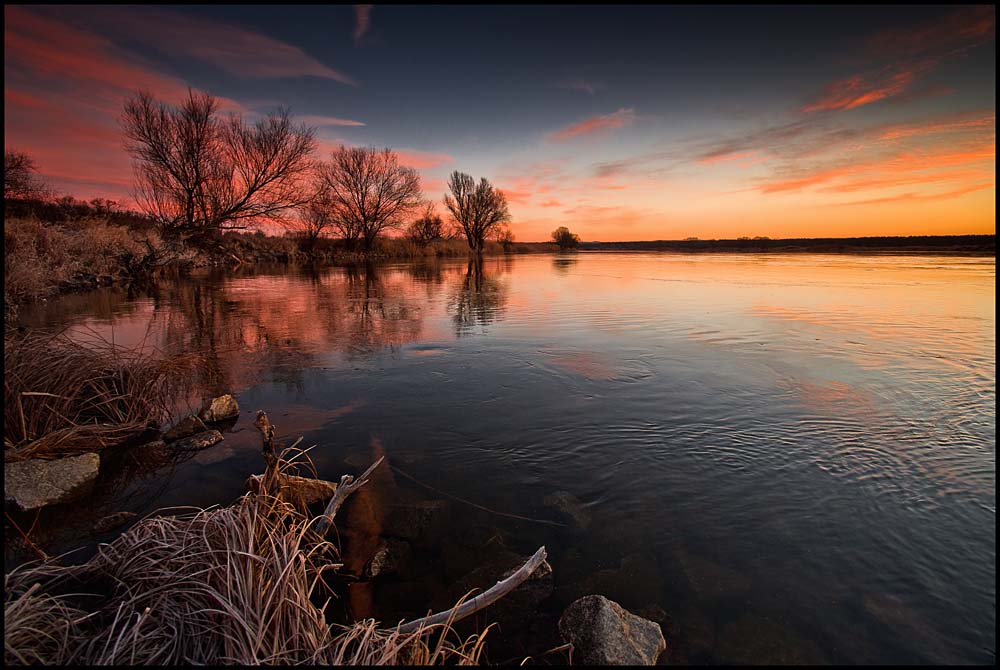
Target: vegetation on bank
{"points": [[62, 397], [247, 584]]}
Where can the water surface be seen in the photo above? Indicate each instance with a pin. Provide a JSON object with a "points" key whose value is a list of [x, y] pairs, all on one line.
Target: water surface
{"points": [[792, 455]]}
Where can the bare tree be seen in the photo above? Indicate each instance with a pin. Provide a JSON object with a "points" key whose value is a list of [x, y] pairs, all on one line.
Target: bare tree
{"points": [[479, 208], [20, 177], [428, 227], [368, 191], [198, 173]]}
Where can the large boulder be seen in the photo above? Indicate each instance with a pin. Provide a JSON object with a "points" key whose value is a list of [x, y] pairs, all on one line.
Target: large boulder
{"points": [[602, 633], [36, 483], [219, 409], [199, 441], [186, 427]]}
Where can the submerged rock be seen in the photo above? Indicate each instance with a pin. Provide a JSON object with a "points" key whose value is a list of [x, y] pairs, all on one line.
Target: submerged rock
{"points": [[633, 583], [389, 558], [573, 511], [37, 483], [710, 580], [112, 521], [603, 633], [219, 409], [419, 521], [753, 640], [186, 427], [198, 442]]}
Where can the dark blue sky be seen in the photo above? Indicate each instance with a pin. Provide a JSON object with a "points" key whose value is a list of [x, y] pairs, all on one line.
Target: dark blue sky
{"points": [[625, 121]]}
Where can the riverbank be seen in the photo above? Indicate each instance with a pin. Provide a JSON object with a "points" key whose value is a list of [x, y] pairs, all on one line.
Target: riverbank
{"points": [[47, 258]]}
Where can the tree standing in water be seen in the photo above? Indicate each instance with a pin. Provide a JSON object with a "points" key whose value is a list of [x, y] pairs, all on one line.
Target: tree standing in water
{"points": [[479, 208]]}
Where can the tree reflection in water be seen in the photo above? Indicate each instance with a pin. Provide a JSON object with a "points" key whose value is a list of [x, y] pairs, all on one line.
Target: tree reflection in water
{"points": [[480, 298]]}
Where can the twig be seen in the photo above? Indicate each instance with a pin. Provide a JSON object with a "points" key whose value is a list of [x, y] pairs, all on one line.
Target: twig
{"points": [[27, 540], [347, 486], [469, 502], [499, 590]]}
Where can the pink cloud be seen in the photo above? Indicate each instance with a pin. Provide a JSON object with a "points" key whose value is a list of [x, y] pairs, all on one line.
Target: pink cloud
{"points": [[622, 117], [320, 121], [362, 21]]}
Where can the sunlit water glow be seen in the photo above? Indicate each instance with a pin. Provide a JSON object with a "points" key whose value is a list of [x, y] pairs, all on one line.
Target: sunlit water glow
{"points": [[793, 455]]}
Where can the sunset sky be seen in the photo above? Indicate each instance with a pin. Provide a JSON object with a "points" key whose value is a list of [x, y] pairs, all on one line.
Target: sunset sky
{"points": [[623, 123]]}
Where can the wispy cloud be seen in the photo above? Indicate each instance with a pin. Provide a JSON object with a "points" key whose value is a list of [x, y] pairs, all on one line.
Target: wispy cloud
{"points": [[322, 121], [238, 51], [902, 56], [580, 85], [622, 117], [864, 89], [362, 21]]}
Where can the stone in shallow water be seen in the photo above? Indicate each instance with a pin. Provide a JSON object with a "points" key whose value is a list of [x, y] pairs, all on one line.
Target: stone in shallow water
{"points": [[219, 409], [419, 521], [754, 640], [389, 558], [602, 633], [573, 511], [198, 442], [186, 427], [36, 483], [709, 580]]}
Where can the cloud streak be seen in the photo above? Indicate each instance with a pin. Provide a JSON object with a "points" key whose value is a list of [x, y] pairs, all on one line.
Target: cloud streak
{"points": [[362, 21], [595, 124]]}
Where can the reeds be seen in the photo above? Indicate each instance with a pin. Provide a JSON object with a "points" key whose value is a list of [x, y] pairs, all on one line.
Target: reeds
{"points": [[238, 585], [63, 397]]}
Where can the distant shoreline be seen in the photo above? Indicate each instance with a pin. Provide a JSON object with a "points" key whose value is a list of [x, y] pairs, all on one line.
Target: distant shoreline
{"points": [[956, 245]]}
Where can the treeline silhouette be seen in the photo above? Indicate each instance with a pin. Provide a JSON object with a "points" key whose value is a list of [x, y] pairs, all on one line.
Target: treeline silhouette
{"points": [[912, 243]]}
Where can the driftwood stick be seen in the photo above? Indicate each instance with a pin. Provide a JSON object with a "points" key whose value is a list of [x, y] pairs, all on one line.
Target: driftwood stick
{"points": [[347, 486], [270, 457], [485, 599]]}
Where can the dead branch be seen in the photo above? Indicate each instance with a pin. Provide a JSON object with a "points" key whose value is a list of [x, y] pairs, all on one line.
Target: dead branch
{"points": [[292, 489], [483, 600], [271, 460], [347, 486]]}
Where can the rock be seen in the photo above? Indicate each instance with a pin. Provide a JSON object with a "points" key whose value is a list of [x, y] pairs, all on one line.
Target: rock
{"points": [[198, 442], [753, 640], [634, 583], [573, 511], [653, 612], [711, 581], [296, 490], [36, 483], [416, 521], [602, 633], [514, 610], [112, 521], [389, 558], [186, 427], [219, 409]]}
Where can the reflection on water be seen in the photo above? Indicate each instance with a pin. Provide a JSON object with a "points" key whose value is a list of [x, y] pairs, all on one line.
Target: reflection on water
{"points": [[792, 456]]}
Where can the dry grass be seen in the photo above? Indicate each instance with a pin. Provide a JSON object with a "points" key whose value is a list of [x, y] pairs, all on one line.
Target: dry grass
{"points": [[40, 258], [240, 585], [62, 397]]}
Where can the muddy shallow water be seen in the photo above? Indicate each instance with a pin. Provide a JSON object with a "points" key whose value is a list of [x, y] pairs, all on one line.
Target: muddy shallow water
{"points": [[792, 456]]}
